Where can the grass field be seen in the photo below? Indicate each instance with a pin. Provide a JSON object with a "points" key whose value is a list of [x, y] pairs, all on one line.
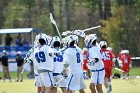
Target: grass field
{"points": [[27, 86]]}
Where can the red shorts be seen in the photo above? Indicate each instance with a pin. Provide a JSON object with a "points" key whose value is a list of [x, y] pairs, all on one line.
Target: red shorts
{"points": [[108, 72], [125, 68], [85, 66]]}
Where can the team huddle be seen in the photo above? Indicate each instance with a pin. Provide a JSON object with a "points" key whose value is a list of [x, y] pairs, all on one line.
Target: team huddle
{"points": [[55, 66]]}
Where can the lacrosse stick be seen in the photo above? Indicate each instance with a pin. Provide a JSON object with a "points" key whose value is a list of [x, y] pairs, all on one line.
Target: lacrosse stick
{"points": [[26, 61], [91, 28], [79, 32], [118, 69], [56, 84], [54, 22], [24, 67]]}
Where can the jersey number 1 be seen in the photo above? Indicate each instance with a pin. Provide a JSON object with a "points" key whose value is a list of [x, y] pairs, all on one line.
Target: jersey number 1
{"points": [[40, 56]]}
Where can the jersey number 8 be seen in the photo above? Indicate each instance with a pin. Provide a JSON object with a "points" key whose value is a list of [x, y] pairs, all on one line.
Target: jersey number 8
{"points": [[40, 56], [78, 57]]}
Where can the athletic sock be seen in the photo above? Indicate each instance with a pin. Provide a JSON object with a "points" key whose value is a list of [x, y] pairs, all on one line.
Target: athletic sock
{"points": [[107, 90]]}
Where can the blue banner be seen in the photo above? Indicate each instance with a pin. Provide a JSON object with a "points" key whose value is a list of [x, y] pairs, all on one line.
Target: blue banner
{"points": [[12, 51]]}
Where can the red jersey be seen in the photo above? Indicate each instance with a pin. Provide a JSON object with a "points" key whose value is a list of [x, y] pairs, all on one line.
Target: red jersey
{"points": [[107, 57], [125, 58], [85, 59], [85, 55]]}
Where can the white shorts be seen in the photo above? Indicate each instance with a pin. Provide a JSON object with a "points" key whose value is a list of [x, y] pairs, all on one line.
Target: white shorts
{"points": [[98, 76], [37, 79], [58, 78], [38, 82], [76, 82], [46, 79]]}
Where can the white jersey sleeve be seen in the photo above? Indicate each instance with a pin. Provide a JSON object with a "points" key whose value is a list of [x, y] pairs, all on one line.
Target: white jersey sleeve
{"points": [[95, 52]]}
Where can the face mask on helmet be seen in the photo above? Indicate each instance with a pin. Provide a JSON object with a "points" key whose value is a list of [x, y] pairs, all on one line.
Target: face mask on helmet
{"points": [[70, 39], [56, 42], [103, 43], [89, 39], [76, 39]]}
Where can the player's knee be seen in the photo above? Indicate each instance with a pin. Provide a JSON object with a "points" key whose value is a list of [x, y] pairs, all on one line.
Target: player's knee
{"points": [[99, 90], [92, 87], [81, 91]]}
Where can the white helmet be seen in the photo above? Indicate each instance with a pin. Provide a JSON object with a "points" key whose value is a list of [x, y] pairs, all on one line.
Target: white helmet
{"points": [[109, 48], [64, 41], [19, 52], [103, 43], [4, 51], [126, 51], [54, 39], [85, 49], [71, 38], [89, 39], [123, 51], [47, 38]]}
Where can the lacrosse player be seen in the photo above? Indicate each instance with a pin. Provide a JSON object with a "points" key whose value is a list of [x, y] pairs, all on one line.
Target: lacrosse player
{"points": [[85, 60], [95, 64], [29, 58], [45, 65], [58, 65], [40, 86], [107, 58], [73, 60], [125, 62]]}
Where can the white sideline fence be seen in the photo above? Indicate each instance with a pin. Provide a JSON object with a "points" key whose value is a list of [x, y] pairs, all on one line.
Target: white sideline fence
{"points": [[13, 67]]}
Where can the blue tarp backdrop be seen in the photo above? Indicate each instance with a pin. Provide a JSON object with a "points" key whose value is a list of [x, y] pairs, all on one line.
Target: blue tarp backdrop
{"points": [[11, 51]]}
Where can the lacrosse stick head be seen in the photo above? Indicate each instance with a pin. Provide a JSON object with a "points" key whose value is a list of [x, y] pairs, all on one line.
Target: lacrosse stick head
{"points": [[64, 41], [79, 33], [52, 19], [66, 33], [36, 42]]}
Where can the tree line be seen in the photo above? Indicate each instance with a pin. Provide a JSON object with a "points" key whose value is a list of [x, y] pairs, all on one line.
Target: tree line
{"points": [[120, 19]]}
